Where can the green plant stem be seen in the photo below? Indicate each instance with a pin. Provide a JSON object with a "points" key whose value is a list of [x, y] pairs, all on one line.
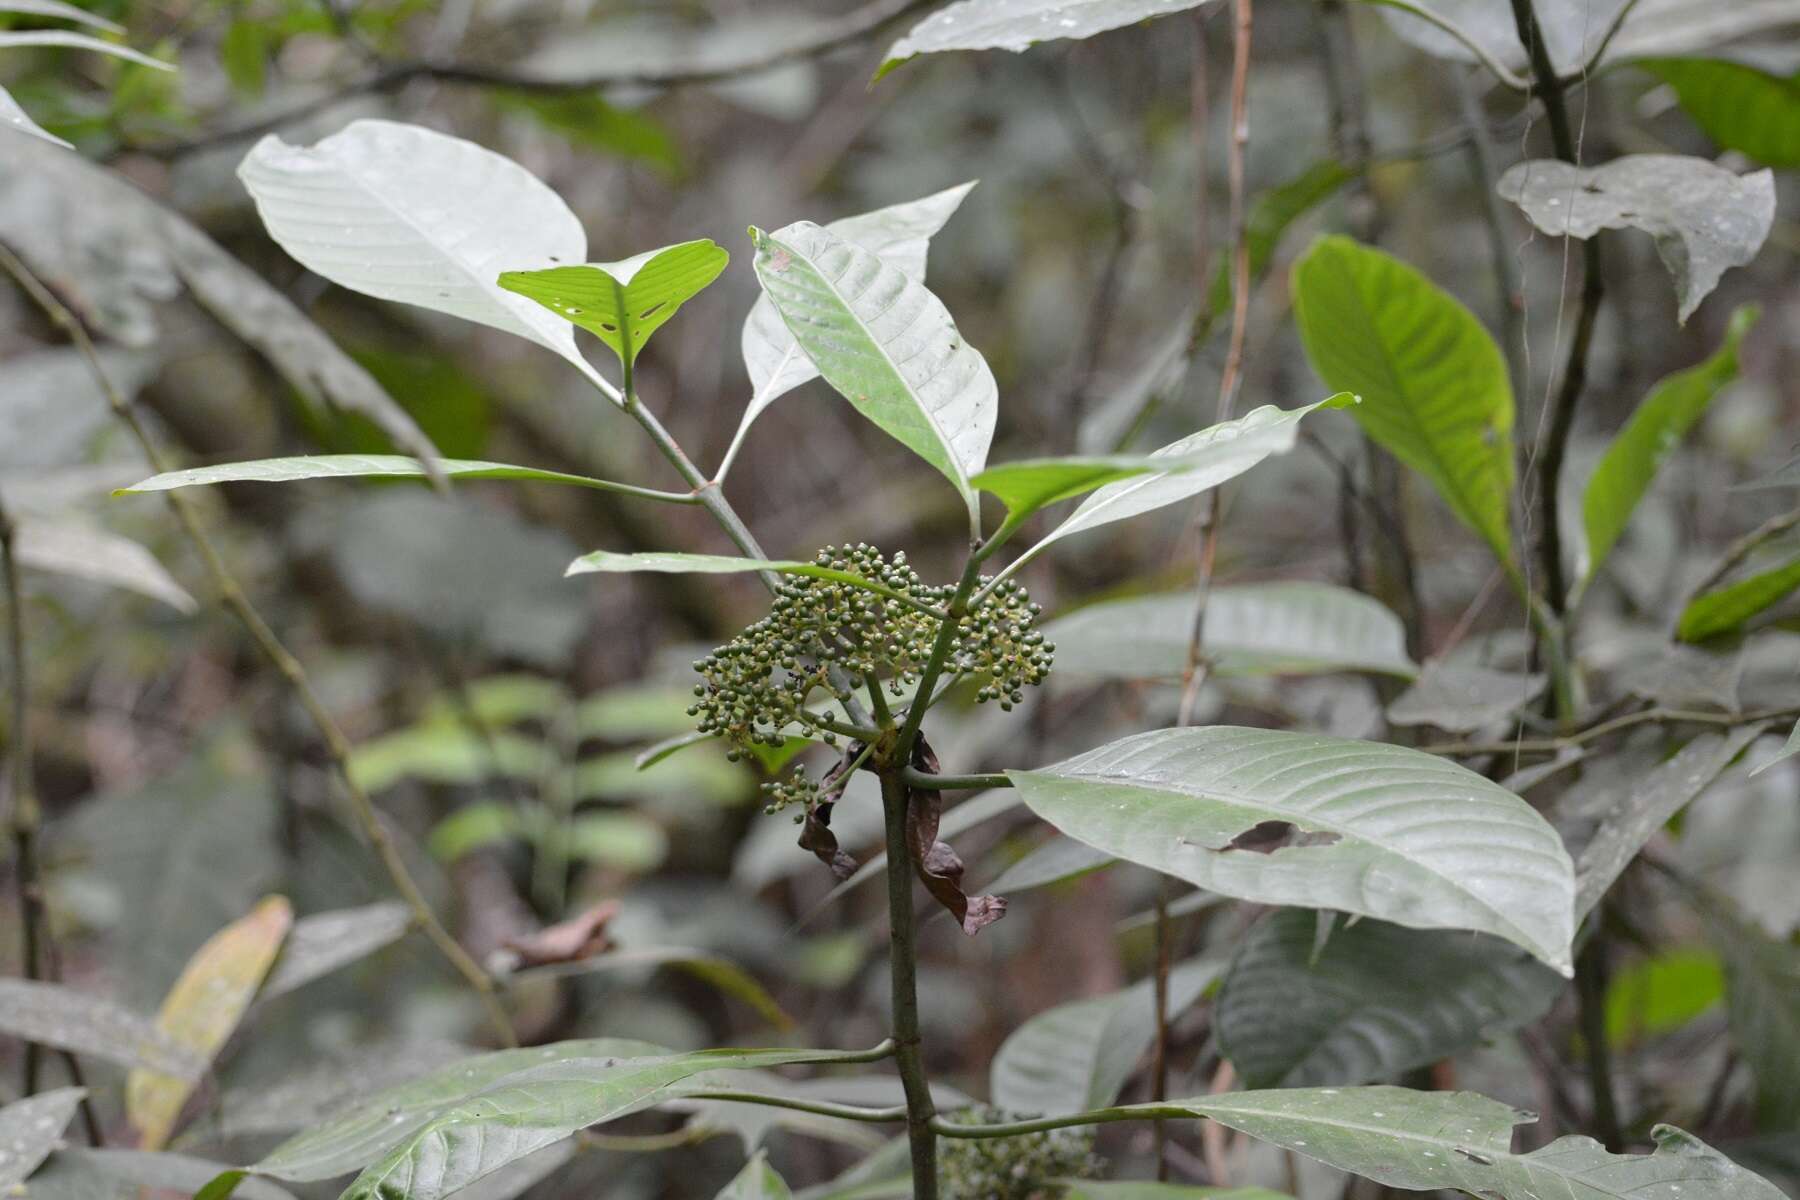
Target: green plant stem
{"points": [[822, 1108], [1647, 716], [901, 758], [232, 596], [1100, 1116], [903, 966], [953, 783]]}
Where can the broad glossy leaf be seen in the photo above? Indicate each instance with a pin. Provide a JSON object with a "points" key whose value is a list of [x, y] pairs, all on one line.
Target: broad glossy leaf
{"points": [[1284, 628], [1705, 219], [1077, 1056], [11, 114], [1434, 386], [30, 1129], [1211, 457], [1762, 992], [1727, 609], [885, 343], [403, 213], [354, 466], [1740, 107], [1788, 749], [203, 1009], [1462, 697], [52, 1014], [1427, 1141], [531, 1109], [368, 1126], [1379, 830], [757, 1181], [1017, 25], [85, 551], [328, 941], [1376, 1001], [79, 41], [1630, 464], [1647, 804], [899, 234], [623, 303], [57, 9]]}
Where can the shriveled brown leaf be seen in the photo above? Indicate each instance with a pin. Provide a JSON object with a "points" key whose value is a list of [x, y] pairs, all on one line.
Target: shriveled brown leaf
{"points": [[580, 937], [938, 866]]}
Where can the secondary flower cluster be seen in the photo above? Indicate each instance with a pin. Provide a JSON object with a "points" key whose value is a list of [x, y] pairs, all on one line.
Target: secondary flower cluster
{"points": [[1016, 1168], [758, 685]]}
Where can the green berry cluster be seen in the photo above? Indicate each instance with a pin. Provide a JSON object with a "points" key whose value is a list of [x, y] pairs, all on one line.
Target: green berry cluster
{"points": [[756, 687], [798, 788], [1016, 1168]]}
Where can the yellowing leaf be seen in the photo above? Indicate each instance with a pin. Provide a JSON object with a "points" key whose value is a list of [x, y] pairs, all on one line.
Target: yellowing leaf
{"points": [[203, 1008]]}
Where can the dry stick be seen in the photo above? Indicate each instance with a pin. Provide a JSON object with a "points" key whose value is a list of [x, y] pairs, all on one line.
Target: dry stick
{"points": [[232, 595], [27, 818]]}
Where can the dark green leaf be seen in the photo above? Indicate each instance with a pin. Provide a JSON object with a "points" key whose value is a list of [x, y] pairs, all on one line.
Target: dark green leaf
{"points": [[1739, 107]]}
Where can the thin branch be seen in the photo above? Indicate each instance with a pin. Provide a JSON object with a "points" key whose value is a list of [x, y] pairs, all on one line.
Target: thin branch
{"points": [[1741, 549], [953, 783], [1647, 716], [821, 1108], [232, 595]]}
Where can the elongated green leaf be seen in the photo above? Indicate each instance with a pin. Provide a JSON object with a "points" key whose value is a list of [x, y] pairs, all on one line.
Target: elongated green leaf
{"points": [[354, 466], [1430, 1141], [1377, 1000], [757, 1181], [1286, 628], [30, 1129], [1727, 609], [54, 1015], [15, 117], [711, 969], [1211, 457], [534, 1108], [625, 841], [1762, 991], [623, 303], [61, 11], [1463, 697], [608, 562], [1374, 829], [1739, 107], [1017, 25], [447, 752], [1434, 386], [1630, 464], [1788, 749], [1034, 483], [79, 41], [899, 234], [885, 343], [328, 941], [1661, 994], [1078, 1056]]}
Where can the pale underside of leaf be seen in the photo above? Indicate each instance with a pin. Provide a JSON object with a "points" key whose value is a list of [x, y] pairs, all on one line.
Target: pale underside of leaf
{"points": [[30, 1129], [1017, 25], [79, 41], [85, 551], [54, 1015], [15, 116]]}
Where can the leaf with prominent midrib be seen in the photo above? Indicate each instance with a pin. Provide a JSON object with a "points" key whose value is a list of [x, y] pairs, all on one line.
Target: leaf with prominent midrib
{"points": [[1725, 610], [885, 343], [1434, 386], [1739, 107], [1077, 1056], [30, 1129], [1629, 466], [1017, 25], [1375, 829], [1376, 1001], [354, 466], [623, 303]]}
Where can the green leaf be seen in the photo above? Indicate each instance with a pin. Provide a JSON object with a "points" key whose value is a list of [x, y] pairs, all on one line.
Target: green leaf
{"points": [[1762, 993], [1431, 1141], [623, 303], [625, 841], [531, 1109], [500, 700], [1271, 213], [1282, 628], [1705, 219], [1087, 1189], [1034, 483], [586, 119], [79, 41], [447, 752], [366, 466], [369, 1126], [886, 344], [1727, 609], [1659, 995], [1376, 1001], [1054, 861], [59, 10], [244, 52], [707, 779], [1209, 458], [473, 827], [1463, 697], [714, 970], [1078, 1056], [1434, 386], [1379, 830], [757, 1181], [624, 714], [1017, 25], [325, 942], [1739, 107], [1632, 461], [30, 1129], [1788, 749]]}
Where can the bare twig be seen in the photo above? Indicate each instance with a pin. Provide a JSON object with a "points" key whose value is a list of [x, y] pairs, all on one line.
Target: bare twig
{"points": [[233, 597], [1742, 548]]}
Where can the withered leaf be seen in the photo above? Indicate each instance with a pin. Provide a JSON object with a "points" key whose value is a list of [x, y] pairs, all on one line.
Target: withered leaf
{"points": [[580, 937], [938, 866], [815, 830]]}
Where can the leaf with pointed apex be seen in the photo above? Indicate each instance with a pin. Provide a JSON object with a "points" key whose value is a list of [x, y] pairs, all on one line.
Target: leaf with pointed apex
{"points": [[1375, 1002], [358, 466], [1434, 386], [1740, 107], [12, 114], [623, 303], [1705, 219], [30, 1129], [1788, 749], [203, 1009], [84, 551], [885, 343], [1630, 464], [79, 41], [57, 9], [1211, 456], [1017, 25], [900, 234], [1463, 697], [1380, 830], [1033, 483], [1078, 1056], [757, 1181], [1727, 609], [325, 942], [1281, 628], [403, 213]]}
